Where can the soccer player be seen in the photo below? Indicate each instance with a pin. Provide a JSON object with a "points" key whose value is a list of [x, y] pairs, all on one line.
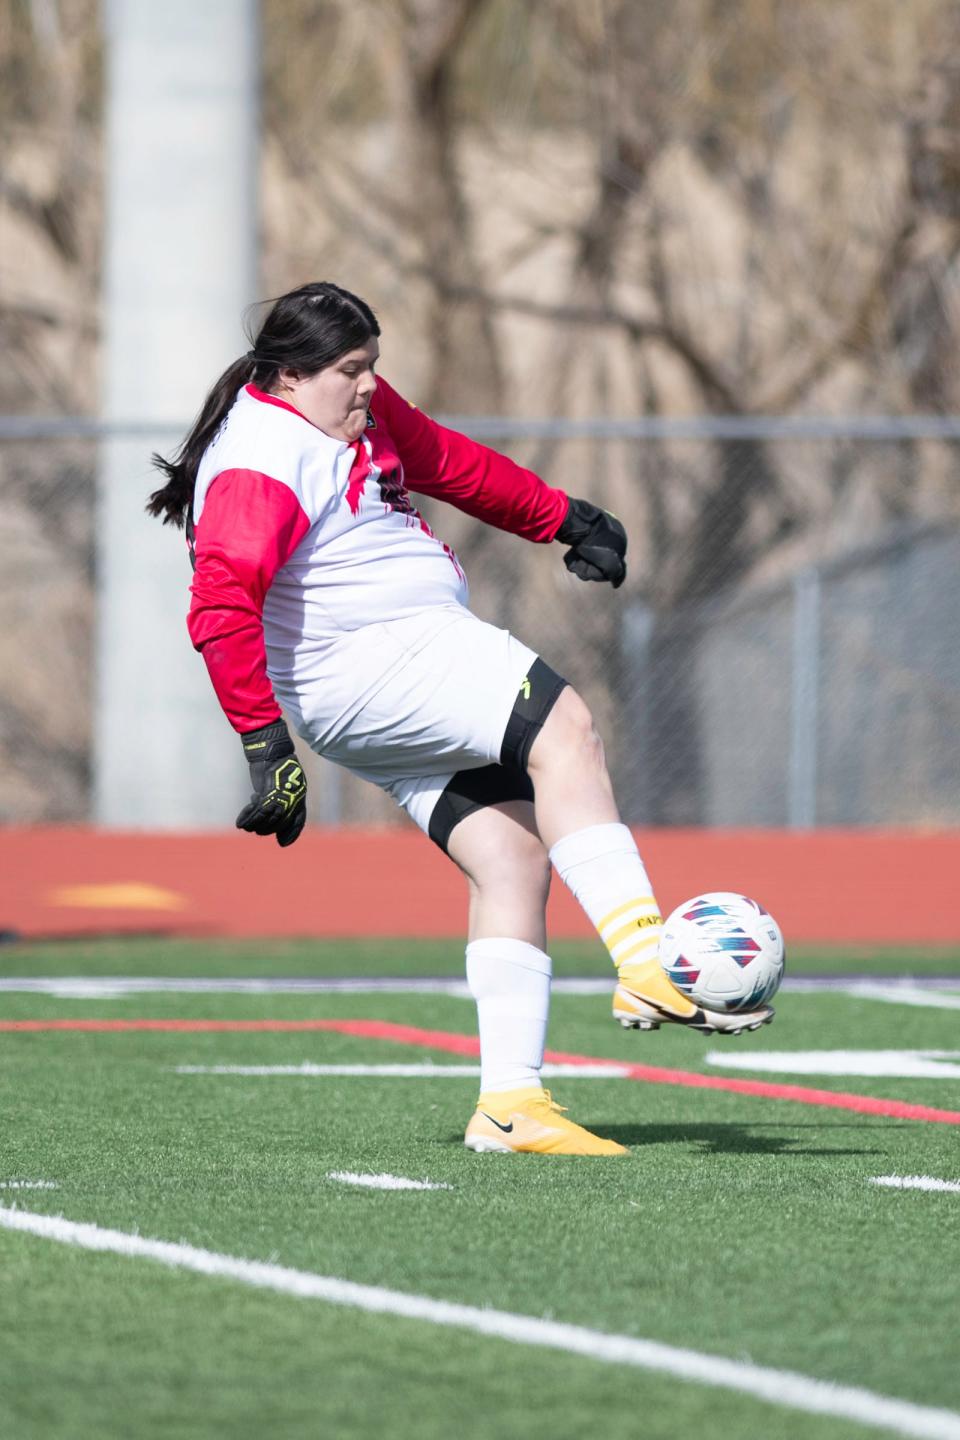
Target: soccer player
{"points": [[319, 588]]}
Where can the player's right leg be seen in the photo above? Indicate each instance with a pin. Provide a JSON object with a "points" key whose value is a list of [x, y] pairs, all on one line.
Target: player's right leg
{"points": [[508, 971], [447, 733], [597, 858]]}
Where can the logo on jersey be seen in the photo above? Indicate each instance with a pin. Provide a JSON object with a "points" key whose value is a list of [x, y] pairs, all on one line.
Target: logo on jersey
{"points": [[394, 493], [389, 482]]}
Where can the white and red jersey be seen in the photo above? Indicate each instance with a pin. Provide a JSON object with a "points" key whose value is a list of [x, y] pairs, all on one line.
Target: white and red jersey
{"points": [[300, 538]]}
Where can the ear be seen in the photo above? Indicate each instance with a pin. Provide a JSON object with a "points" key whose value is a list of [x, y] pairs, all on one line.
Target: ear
{"points": [[290, 378]]}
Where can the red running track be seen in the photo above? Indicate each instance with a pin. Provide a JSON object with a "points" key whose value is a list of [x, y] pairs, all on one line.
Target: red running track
{"points": [[452, 1043], [850, 887]]}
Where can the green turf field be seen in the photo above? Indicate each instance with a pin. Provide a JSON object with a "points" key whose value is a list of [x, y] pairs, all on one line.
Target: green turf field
{"points": [[738, 1227]]}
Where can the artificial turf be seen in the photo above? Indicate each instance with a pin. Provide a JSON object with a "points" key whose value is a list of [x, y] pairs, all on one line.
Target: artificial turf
{"points": [[740, 1226]]}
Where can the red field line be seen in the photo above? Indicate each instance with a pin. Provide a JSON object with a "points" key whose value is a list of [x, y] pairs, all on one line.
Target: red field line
{"points": [[195, 1025], [455, 1044], [656, 1075]]}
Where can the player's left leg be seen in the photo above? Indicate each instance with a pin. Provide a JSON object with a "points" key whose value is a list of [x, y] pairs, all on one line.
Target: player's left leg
{"points": [[597, 858], [508, 971]]}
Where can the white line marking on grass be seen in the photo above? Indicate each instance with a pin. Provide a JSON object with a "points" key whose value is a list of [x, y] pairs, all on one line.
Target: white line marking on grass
{"points": [[413, 1072], [777, 1387], [29, 1185], [902, 1064], [417, 1072], [384, 1182], [114, 987], [904, 995], [916, 1182], [110, 987], [84, 990]]}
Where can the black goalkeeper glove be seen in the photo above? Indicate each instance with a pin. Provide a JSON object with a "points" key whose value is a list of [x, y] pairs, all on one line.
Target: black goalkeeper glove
{"points": [[598, 543], [278, 805]]}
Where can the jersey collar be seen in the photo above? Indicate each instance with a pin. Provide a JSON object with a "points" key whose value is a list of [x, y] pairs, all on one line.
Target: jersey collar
{"points": [[266, 399]]}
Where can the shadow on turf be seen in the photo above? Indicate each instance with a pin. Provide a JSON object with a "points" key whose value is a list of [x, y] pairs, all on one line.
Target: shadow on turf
{"points": [[729, 1139]]}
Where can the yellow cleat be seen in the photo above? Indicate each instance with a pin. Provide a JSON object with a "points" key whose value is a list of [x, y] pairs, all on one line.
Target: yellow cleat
{"points": [[529, 1121], [645, 999]]}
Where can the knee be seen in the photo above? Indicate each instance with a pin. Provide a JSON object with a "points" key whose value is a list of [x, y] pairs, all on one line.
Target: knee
{"points": [[569, 736], [518, 865]]}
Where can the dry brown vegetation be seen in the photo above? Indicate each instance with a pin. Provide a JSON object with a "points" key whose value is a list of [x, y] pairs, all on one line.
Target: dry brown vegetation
{"points": [[558, 208]]}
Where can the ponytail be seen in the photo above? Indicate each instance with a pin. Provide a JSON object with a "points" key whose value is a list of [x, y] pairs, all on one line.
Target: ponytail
{"points": [[172, 502], [306, 330]]}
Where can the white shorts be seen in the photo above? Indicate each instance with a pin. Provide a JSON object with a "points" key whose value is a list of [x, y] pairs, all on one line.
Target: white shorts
{"points": [[446, 688]]}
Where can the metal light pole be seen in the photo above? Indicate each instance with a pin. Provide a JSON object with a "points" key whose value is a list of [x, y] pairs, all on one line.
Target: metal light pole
{"points": [[180, 265]]}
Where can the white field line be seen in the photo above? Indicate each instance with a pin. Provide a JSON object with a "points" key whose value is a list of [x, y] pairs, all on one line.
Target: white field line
{"points": [[412, 1072], [904, 995], [114, 987], [902, 1064], [418, 1072], [777, 1387], [384, 1182], [916, 1182], [29, 1185]]}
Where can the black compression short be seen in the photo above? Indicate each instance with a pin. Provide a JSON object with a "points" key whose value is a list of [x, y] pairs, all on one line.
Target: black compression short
{"points": [[471, 790]]}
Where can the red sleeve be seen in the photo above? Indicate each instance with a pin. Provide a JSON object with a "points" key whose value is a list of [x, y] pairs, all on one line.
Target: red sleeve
{"points": [[249, 527], [448, 466]]}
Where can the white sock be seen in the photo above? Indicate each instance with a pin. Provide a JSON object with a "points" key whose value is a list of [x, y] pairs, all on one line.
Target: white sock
{"points": [[602, 867], [510, 982]]}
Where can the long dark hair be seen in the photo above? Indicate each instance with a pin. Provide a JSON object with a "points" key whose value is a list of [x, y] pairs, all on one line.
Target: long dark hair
{"points": [[305, 330]]}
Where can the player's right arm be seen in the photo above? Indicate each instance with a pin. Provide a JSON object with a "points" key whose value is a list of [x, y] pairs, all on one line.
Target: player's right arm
{"points": [[249, 526]]}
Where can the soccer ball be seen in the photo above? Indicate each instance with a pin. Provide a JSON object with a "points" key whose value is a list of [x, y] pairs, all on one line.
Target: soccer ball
{"points": [[723, 951]]}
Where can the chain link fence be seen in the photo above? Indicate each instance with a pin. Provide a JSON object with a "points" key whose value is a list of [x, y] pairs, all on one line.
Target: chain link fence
{"points": [[745, 675], [832, 698]]}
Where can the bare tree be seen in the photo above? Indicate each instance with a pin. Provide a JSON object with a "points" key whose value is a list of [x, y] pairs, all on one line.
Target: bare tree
{"points": [[562, 208], [49, 202]]}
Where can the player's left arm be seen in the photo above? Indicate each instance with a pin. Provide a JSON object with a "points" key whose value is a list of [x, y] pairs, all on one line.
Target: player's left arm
{"points": [[449, 466]]}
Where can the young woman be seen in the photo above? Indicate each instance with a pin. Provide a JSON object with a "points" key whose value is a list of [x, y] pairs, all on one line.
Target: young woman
{"points": [[319, 588]]}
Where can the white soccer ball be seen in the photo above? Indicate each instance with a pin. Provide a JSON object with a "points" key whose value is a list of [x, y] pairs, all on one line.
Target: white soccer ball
{"points": [[723, 951]]}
